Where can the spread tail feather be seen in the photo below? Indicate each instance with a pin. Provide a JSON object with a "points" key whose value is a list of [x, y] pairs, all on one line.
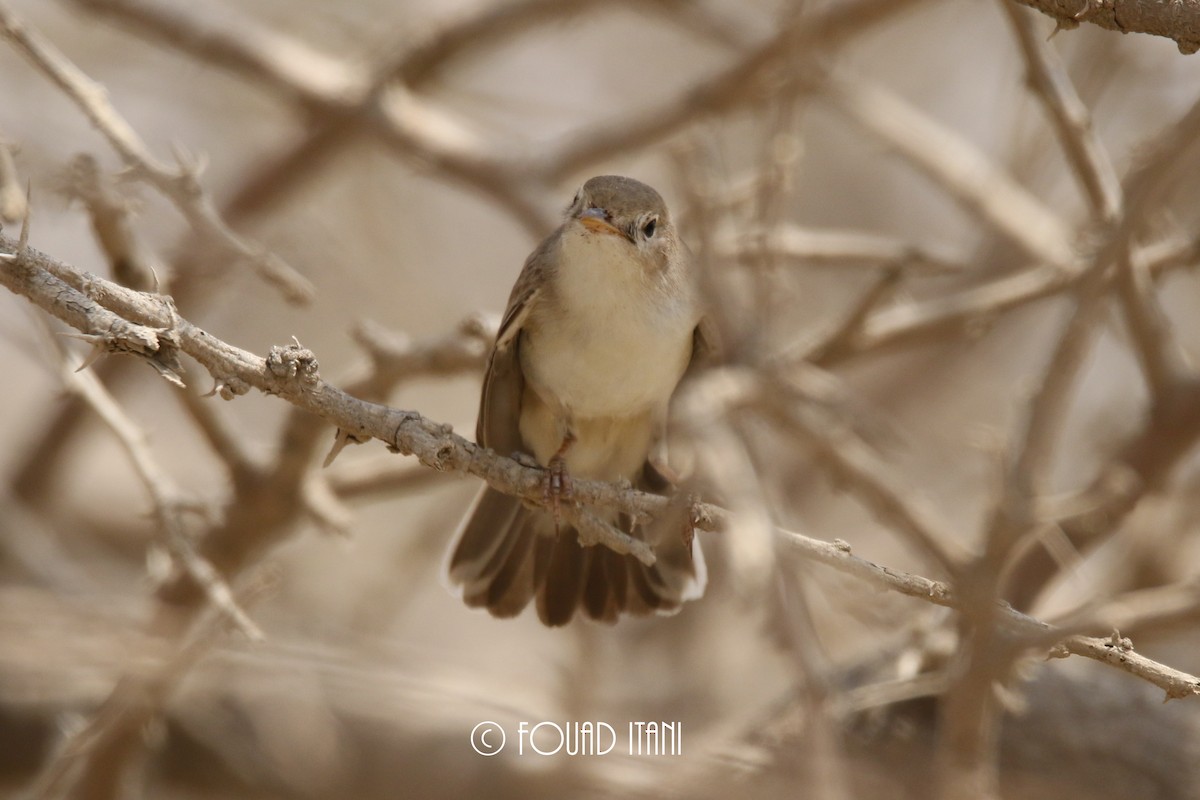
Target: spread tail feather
{"points": [[507, 555]]}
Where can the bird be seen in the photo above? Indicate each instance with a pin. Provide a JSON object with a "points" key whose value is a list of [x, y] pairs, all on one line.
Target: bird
{"points": [[602, 323]]}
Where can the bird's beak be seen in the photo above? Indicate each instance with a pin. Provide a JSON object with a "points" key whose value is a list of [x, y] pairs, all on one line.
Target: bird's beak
{"points": [[596, 220]]}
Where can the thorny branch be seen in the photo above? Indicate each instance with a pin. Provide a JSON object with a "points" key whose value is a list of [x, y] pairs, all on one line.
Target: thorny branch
{"points": [[343, 99], [1178, 21], [180, 185], [168, 499], [291, 374]]}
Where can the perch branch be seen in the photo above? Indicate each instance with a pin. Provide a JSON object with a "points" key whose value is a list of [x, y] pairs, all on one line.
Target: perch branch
{"points": [[291, 373]]}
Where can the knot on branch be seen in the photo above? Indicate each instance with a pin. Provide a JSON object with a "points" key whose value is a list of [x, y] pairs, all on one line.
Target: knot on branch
{"points": [[229, 388], [1120, 643], [401, 441], [293, 363], [446, 454], [158, 347]]}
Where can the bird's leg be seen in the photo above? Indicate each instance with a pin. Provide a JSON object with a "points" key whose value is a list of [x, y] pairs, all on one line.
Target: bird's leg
{"points": [[558, 480]]}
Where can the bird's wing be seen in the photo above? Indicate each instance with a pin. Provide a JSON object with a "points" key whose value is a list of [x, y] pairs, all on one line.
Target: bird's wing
{"points": [[498, 424]]}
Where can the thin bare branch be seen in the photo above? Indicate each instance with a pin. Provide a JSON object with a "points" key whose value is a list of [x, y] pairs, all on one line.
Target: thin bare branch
{"points": [[964, 172], [93, 757], [13, 204], [739, 84], [842, 334], [112, 223], [798, 402], [280, 62], [830, 248], [1072, 121], [1139, 612], [1146, 185], [1150, 331], [396, 358], [839, 556], [975, 309], [166, 497], [1120, 654], [853, 462], [1050, 404], [218, 433], [179, 184]]}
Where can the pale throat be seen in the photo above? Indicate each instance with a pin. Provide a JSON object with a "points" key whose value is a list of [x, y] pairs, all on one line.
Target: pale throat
{"points": [[620, 337]]}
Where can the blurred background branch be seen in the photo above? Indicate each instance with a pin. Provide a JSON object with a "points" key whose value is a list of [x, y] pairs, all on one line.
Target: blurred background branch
{"points": [[923, 232]]}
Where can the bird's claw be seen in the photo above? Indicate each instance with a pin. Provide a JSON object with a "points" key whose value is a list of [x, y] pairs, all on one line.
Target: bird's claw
{"points": [[557, 488]]}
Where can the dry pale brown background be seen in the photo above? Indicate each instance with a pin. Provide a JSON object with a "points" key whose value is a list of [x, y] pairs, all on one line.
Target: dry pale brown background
{"points": [[373, 675]]}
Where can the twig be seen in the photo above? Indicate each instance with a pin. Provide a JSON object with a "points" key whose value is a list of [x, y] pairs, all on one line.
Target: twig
{"points": [[1140, 612], [219, 435], [1150, 330], [839, 556], [280, 62], [1091, 164], [734, 87], [798, 402], [180, 185], [967, 174], [830, 248], [852, 461], [844, 333], [707, 411], [13, 204], [109, 212], [95, 755], [1120, 654], [978, 307], [593, 531], [1049, 80], [165, 496], [395, 357], [1048, 408], [968, 755]]}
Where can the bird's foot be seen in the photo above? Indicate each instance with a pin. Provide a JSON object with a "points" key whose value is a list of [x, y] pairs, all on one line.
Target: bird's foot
{"points": [[557, 488]]}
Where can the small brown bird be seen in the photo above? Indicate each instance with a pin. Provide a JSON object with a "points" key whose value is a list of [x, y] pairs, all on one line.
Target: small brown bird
{"points": [[600, 327]]}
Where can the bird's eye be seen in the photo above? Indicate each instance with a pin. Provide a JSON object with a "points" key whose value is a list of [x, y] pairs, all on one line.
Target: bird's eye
{"points": [[649, 227]]}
